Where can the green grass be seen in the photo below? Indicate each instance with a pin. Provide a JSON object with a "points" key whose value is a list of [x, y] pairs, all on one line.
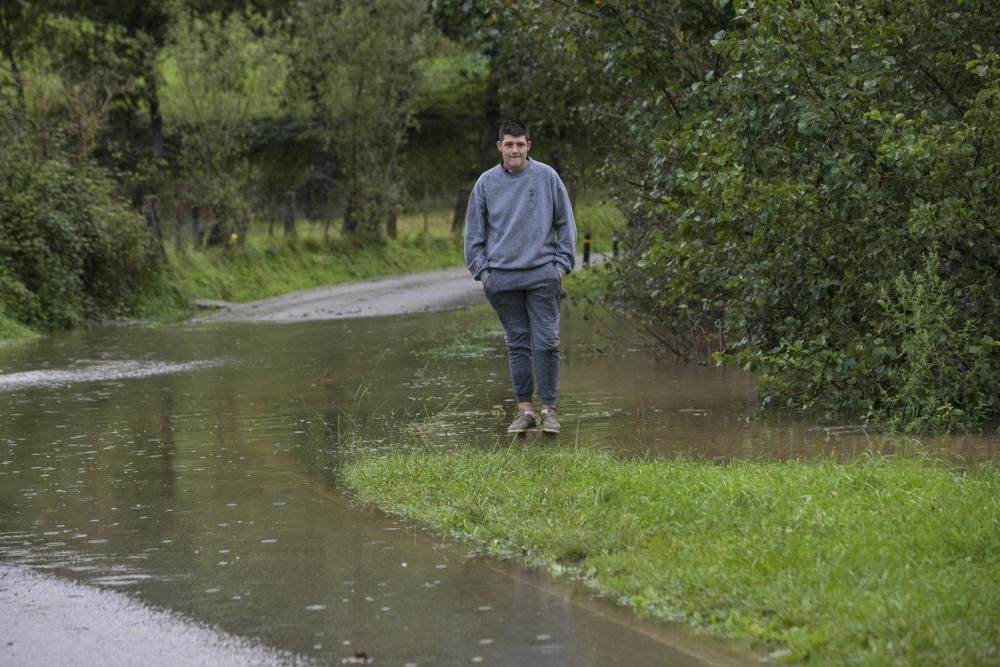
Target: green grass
{"points": [[283, 266], [271, 265], [11, 330], [600, 220], [881, 562]]}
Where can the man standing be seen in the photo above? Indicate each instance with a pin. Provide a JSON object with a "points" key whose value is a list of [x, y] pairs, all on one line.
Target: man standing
{"points": [[520, 240]]}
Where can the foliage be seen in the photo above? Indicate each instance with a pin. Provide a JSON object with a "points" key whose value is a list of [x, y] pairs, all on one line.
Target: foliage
{"points": [[782, 165], [69, 251], [357, 63], [10, 330], [229, 72], [845, 163], [874, 562], [66, 90], [937, 362], [452, 83]]}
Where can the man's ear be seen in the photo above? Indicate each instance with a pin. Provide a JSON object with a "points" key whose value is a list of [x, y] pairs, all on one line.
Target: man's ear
{"points": [[499, 144]]}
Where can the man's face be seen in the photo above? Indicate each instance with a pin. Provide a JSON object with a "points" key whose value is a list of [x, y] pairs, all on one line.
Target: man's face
{"points": [[514, 151]]}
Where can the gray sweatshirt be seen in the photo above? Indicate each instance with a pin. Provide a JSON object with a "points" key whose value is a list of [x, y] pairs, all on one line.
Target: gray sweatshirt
{"points": [[520, 220]]}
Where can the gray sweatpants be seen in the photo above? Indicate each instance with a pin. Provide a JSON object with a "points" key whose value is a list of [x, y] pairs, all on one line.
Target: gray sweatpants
{"points": [[527, 303]]}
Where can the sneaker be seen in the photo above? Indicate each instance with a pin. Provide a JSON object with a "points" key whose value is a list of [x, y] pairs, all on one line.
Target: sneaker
{"points": [[522, 423], [550, 421]]}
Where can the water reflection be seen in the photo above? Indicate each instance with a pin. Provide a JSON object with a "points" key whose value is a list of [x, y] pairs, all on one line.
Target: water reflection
{"points": [[190, 466]]}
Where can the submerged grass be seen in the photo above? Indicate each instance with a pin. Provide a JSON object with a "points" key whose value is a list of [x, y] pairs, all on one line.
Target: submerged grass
{"points": [[884, 561]]}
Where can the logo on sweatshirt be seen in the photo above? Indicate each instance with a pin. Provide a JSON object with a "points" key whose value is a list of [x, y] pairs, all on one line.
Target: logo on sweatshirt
{"points": [[532, 196]]}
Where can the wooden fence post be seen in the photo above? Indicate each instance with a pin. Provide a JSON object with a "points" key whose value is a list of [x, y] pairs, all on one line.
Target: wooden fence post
{"points": [[196, 233], [289, 213], [242, 229], [392, 222], [151, 211]]}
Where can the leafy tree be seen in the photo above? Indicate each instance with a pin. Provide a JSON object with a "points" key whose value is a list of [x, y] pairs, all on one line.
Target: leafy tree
{"points": [[130, 37], [17, 23], [228, 72], [140, 31], [357, 65], [857, 141]]}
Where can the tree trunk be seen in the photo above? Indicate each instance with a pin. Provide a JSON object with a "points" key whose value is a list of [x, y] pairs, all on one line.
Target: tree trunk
{"points": [[350, 219], [390, 224], [289, 213], [155, 117], [241, 230], [197, 235], [151, 211], [8, 51]]}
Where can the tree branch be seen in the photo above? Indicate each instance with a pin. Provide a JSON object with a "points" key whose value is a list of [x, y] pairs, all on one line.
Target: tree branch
{"points": [[947, 94]]}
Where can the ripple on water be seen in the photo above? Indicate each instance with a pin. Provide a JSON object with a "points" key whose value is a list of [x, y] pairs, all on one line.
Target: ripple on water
{"points": [[102, 371]]}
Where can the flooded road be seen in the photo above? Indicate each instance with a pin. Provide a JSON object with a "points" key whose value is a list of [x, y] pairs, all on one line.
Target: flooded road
{"points": [[193, 468]]}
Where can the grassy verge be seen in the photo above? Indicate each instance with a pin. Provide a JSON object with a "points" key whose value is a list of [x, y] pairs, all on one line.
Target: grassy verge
{"points": [[269, 265], [11, 330], [878, 562], [599, 219]]}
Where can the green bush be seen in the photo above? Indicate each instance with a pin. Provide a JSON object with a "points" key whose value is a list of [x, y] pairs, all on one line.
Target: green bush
{"points": [[943, 369], [855, 168], [69, 251], [842, 151]]}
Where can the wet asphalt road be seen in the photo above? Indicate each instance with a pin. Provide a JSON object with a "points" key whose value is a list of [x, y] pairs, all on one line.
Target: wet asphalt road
{"points": [[50, 621]]}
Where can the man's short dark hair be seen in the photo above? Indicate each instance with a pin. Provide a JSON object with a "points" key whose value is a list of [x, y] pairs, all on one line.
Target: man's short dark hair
{"points": [[514, 129]]}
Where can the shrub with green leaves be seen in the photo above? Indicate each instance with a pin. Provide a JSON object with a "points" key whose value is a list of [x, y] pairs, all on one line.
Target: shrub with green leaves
{"points": [[69, 251], [856, 151]]}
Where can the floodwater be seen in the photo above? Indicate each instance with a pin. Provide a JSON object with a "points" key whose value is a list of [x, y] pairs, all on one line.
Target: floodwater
{"points": [[193, 468]]}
